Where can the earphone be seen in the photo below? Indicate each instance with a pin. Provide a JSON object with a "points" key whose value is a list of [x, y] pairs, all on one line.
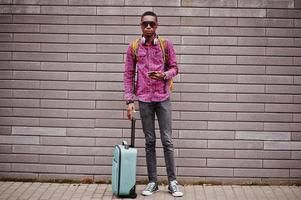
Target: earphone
{"points": [[154, 42]]}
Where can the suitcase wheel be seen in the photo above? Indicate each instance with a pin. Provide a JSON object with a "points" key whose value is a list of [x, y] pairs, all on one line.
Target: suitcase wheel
{"points": [[133, 196]]}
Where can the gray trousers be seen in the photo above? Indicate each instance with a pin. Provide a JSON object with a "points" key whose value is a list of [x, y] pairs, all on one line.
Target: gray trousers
{"points": [[163, 112]]}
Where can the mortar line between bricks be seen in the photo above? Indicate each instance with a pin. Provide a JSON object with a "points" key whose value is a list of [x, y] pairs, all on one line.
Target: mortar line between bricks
{"points": [[58, 193], [40, 188], [262, 191], [252, 192], [26, 190], [74, 191], [34, 191], [90, 191], [293, 190], [285, 192], [274, 189], [6, 186], [194, 193], [244, 192], [96, 192], [23, 190], [83, 191], [281, 191], [224, 191], [266, 193], [105, 190], [245, 188], [293, 193], [255, 190], [12, 187], [52, 192], [66, 195], [214, 191], [206, 192], [235, 192]]}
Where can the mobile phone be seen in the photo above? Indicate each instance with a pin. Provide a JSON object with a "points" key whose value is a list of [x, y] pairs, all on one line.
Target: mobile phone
{"points": [[151, 73]]}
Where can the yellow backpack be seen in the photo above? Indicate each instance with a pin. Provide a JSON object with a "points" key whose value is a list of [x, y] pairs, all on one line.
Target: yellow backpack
{"points": [[163, 47]]}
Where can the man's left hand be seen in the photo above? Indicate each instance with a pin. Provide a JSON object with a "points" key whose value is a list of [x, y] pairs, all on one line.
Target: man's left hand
{"points": [[157, 75]]}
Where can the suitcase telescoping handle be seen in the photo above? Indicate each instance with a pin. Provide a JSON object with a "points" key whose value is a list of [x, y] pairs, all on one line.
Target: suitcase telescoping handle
{"points": [[133, 132]]}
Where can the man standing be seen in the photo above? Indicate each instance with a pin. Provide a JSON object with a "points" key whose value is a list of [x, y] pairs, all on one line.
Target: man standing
{"points": [[154, 59]]}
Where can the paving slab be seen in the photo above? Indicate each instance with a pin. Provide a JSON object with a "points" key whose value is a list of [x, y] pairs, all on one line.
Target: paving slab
{"points": [[62, 191]]}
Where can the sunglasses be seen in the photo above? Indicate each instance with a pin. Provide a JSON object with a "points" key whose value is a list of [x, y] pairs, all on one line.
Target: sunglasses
{"points": [[146, 23]]}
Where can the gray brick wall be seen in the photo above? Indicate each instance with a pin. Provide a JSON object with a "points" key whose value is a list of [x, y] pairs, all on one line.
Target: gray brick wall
{"points": [[237, 111]]}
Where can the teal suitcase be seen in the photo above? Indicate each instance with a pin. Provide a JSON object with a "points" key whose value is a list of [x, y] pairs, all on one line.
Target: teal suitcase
{"points": [[124, 168]]}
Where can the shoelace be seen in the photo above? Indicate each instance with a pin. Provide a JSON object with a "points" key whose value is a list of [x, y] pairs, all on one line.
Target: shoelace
{"points": [[150, 186], [174, 187]]}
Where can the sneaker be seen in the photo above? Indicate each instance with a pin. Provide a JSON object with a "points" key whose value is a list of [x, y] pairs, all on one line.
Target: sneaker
{"points": [[174, 189], [150, 189]]}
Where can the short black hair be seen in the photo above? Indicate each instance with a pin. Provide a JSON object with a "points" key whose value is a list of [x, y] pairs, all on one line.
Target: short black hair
{"points": [[151, 13]]}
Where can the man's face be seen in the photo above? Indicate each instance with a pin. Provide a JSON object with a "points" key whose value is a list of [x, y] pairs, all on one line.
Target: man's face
{"points": [[148, 25]]}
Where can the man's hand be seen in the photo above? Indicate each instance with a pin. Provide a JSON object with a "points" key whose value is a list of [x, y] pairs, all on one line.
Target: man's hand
{"points": [[130, 110], [157, 75]]}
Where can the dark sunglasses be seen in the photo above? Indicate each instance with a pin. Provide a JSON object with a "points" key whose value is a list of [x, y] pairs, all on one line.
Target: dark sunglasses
{"points": [[146, 23]]}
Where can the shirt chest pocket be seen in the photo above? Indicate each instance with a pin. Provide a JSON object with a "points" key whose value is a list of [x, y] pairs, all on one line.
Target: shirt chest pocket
{"points": [[141, 57], [157, 57]]}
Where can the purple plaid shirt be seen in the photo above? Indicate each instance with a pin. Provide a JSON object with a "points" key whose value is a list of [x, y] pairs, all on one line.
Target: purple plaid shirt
{"points": [[149, 58]]}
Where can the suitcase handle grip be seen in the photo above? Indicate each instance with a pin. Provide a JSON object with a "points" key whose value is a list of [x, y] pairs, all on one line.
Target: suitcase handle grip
{"points": [[125, 144], [133, 132]]}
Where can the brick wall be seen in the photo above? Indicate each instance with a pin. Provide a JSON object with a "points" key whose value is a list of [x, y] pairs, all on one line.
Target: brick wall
{"points": [[237, 111]]}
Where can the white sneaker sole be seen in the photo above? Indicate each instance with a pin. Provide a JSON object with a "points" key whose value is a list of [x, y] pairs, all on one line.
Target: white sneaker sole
{"points": [[149, 193], [176, 194]]}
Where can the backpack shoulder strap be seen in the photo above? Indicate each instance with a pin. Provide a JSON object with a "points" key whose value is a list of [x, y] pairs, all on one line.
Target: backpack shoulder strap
{"points": [[134, 47], [163, 46]]}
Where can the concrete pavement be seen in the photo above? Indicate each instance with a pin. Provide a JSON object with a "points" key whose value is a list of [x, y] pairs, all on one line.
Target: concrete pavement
{"points": [[64, 191]]}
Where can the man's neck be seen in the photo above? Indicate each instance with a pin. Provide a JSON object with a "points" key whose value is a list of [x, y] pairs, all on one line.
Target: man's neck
{"points": [[149, 39]]}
